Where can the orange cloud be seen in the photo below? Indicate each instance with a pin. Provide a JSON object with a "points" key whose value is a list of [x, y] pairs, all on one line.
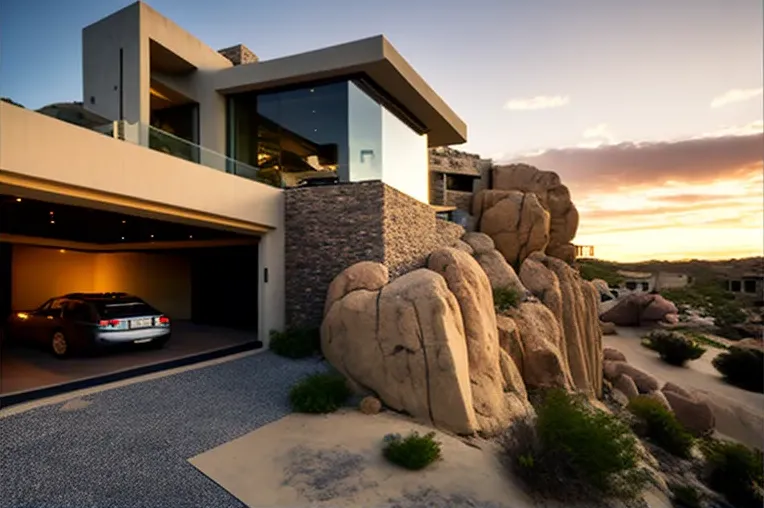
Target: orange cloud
{"points": [[696, 198]]}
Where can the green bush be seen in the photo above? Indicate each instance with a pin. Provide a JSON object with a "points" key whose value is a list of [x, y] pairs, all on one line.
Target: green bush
{"points": [[319, 393], [413, 451], [685, 496], [673, 348], [726, 315], [505, 298], [594, 269], [661, 426], [742, 367], [736, 472], [296, 342], [575, 451]]}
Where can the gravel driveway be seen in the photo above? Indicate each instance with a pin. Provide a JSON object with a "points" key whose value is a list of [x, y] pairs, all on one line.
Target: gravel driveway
{"points": [[128, 446]]}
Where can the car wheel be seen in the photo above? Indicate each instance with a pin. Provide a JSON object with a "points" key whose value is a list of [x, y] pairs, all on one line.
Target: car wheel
{"points": [[59, 344]]}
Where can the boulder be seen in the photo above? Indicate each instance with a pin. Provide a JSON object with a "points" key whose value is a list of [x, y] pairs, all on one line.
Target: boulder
{"points": [[480, 242], [637, 309], [463, 246], [406, 343], [516, 222], [658, 309], [613, 354], [574, 303], [671, 387], [696, 416], [608, 328], [553, 197], [610, 370], [510, 341], [496, 400], [543, 365], [499, 272], [367, 275], [370, 405], [660, 398], [601, 286], [645, 382], [626, 386]]}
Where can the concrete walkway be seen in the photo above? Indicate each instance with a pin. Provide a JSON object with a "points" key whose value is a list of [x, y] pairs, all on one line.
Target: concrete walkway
{"points": [[739, 413], [128, 446]]}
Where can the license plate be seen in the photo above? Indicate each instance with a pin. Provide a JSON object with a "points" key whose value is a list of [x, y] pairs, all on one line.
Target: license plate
{"points": [[141, 323]]}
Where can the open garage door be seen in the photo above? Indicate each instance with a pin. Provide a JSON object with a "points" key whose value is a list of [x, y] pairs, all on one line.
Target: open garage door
{"points": [[203, 281]]}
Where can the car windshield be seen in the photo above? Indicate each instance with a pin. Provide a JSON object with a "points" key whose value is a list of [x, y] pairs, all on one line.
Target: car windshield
{"points": [[115, 309]]}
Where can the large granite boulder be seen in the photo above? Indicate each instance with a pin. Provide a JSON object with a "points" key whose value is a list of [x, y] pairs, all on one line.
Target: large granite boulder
{"points": [[499, 272], [516, 221], [552, 195], [364, 275], [574, 303], [406, 343], [637, 309], [497, 400]]}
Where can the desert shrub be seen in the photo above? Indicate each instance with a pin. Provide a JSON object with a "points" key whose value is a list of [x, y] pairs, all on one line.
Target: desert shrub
{"points": [[673, 348], [736, 472], [661, 426], [595, 269], [742, 367], [296, 342], [319, 393], [575, 451], [413, 451], [685, 496], [505, 298], [726, 315]]}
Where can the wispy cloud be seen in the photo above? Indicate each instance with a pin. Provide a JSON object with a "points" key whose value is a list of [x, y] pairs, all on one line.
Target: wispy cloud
{"points": [[755, 127], [597, 136], [538, 102], [736, 95]]}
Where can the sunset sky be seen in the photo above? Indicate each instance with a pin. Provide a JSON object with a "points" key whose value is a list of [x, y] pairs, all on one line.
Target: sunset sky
{"points": [[650, 110]]}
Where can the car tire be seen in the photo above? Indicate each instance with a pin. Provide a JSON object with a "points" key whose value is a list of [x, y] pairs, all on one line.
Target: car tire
{"points": [[60, 346]]}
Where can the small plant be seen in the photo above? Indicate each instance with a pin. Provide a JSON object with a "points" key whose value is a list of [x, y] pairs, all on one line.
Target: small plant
{"points": [[661, 426], [296, 342], [319, 393], [413, 451], [673, 348], [685, 496], [736, 472], [505, 298], [742, 367], [575, 451]]}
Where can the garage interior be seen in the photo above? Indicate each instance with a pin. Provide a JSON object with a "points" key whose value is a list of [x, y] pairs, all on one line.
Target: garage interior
{"points": [[205, 279]]}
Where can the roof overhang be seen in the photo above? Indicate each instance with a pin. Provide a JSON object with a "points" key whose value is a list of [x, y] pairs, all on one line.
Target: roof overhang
{"points": [[374, 58]]}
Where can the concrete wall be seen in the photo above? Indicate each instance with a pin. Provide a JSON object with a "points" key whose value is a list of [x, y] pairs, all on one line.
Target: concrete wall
{"points": [[162, 280], [404, 158], [45, 153], [331, 228]]}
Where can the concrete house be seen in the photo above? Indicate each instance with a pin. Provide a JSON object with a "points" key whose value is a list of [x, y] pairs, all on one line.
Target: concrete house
{"points": [[196, 193]]}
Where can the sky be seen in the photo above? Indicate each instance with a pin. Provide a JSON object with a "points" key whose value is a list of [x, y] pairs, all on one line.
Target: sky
{"points": [[650, 111]]}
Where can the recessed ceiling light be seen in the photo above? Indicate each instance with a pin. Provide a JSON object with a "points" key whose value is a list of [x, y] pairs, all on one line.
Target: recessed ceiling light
{"points": [[18, 200], [62, 251], [152, 236], [124, 222], [52, 222], [123, 237], [190, 236]]}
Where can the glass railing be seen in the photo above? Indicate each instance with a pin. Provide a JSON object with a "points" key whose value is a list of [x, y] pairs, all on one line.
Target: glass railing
{"points": [[162, 141]]}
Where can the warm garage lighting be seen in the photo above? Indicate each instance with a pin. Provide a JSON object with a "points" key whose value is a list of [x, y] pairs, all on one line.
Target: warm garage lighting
{"points": [[18, 200], [22, 315], [62, 251]]}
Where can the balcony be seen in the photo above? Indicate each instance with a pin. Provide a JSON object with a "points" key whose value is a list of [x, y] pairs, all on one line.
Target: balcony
{"points": [[156, 139]]}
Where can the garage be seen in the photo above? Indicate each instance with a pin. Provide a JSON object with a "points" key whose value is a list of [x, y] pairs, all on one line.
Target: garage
{"points": [[202, 281]]}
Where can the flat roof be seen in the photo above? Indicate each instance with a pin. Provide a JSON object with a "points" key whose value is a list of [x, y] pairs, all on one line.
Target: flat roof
{"points": [[373, 57]]}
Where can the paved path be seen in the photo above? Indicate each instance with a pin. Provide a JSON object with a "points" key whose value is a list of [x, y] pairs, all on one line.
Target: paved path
{"points": [[739, 413], [128, 446]]}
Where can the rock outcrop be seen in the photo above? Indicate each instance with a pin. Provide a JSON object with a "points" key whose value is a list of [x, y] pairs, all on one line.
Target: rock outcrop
{"points": [[550, 194], [637, 309]]}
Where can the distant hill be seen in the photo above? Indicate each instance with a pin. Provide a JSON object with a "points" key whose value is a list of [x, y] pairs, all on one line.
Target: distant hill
{"points": [[697, 268]]}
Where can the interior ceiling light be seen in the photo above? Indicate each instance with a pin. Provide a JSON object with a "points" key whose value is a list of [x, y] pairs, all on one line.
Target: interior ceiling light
{"points": [[159, 95], [18, 200]]}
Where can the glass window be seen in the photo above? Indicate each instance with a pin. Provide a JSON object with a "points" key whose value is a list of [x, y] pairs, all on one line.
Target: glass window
{"points": [[365, 136]]}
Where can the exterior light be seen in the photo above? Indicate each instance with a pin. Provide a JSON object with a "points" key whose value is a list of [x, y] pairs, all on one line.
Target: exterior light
{"points": [[190, 236], [152, 236], [124, 222], [123, 237], [62, 251], [18, 200], [52, 222]]}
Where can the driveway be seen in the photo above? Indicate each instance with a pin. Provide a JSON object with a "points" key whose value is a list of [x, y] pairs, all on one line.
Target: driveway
{"points": [[128, 446], [739, 413]]}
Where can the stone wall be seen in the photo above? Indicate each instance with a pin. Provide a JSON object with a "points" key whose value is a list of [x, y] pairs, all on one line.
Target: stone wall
{"points": [[333, 227], [437, 188], [327, 229], [239, 54], [460, 199]]}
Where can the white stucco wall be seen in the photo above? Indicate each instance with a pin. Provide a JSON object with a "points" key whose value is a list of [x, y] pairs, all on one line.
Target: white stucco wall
{"points": [[404, 158]]}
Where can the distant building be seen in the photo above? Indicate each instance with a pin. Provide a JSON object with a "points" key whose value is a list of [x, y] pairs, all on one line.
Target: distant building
{"points": [[748, 284], [454, 177], [653, 281]]}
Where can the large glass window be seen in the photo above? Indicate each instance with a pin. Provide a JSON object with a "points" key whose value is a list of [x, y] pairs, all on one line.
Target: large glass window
{"points": [[337, 130]]}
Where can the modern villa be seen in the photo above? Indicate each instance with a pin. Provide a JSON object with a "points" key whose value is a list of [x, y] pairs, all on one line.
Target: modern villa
{"points": [[197, 192]]}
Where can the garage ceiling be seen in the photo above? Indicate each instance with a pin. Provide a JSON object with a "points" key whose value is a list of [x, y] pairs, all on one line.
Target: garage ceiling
{"points": [[32, 218]]}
